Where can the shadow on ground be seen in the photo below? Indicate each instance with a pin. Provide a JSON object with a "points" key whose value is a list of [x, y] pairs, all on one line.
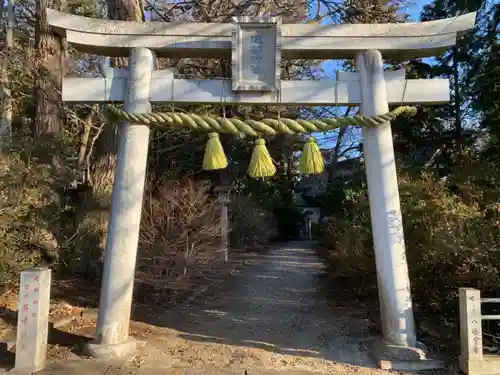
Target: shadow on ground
{"points": [[276, 303]]}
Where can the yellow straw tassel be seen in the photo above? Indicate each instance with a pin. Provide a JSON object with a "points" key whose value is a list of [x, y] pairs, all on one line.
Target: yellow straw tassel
{"points": [[261, 163], [311, 160], [214, 157]]}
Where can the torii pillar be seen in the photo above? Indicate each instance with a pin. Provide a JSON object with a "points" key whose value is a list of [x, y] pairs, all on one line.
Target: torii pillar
{"points": [[112, 339], [398, 349]]}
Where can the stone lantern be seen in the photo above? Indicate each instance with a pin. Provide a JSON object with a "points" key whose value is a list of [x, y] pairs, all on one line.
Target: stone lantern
{"points": [[223, 194]]}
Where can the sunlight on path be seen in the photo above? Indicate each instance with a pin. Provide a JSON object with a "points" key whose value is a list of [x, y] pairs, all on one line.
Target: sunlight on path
{"points": [[271, 315]]}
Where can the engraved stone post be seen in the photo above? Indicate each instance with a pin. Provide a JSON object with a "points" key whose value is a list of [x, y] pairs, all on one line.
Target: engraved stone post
{"points": [[33, 319], [471, 333]]}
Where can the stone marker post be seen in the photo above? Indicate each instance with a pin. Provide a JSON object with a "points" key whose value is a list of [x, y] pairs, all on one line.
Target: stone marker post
{"points": [[471, 332], [33, 320]]}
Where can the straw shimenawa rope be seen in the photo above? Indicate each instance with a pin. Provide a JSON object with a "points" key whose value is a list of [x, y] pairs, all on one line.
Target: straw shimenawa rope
{"points": [[254, 128], [261, 163]]}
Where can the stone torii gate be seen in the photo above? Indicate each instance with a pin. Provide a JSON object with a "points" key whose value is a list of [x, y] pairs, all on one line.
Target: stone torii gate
{"points": [[256, 47]]}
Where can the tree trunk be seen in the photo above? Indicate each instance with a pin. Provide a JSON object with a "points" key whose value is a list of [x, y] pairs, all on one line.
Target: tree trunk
{"points": [[49, 65], [5, 94], [97, 209], [48, 122], [457, 101]]}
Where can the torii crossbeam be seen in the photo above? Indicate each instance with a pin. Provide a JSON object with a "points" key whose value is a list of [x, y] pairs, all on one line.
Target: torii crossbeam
{"points": [[166, 89], [299, 41]]}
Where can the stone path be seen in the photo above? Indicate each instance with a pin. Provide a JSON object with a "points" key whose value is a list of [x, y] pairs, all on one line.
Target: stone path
{"points": [[276, 304], [271, 316]]}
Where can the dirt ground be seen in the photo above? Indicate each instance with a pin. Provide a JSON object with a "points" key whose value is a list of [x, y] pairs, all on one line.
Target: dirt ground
{"points": [[272, 314]]}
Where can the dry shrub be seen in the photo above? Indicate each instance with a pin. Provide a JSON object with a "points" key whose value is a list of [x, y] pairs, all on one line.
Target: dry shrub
{"points": [[179, 238], [251, 224], [451, 242], [31, 205]]}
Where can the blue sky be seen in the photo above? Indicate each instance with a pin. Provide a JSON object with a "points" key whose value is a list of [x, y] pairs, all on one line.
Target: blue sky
{"points": [[330, 67], [413, 9]]}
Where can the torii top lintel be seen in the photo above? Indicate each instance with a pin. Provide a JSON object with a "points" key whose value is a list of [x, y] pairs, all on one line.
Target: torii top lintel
{"points": [[298, 41]]}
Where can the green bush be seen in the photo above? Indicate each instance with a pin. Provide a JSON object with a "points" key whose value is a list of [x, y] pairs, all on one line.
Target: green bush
{"points": [[347, 235], [452, 235]]}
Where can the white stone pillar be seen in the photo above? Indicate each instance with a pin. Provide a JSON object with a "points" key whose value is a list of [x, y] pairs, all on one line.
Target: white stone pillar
{"points": [[398, 326], [123, 232], [33, 320], [471, 331]]}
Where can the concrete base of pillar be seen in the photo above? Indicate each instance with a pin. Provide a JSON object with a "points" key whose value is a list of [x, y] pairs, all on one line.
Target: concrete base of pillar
{"points": [[113, 351], [402, 358]]}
